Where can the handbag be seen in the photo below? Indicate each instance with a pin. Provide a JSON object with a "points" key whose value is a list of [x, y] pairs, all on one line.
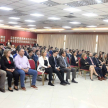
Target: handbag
{"points": [[41, 69]]}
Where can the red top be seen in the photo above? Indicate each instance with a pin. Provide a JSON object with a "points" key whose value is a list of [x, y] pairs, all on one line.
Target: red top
{"points": [[9, 62]]}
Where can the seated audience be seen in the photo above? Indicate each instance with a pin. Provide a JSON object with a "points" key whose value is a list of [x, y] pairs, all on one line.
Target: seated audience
{"points": [[98, 64], [74, 60], [51, 51], [56, 69], [23, 67], [68, 54], [97, 69], [64, 65], [7, 64], [79, 53], [44, 63]]}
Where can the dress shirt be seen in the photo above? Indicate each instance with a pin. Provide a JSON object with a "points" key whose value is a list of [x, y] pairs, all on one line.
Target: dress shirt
{"points": [[21, 62], [64, 61]]}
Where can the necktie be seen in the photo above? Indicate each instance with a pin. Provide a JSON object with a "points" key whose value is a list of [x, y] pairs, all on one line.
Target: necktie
{"points": [[91, 61], [65, 62]]}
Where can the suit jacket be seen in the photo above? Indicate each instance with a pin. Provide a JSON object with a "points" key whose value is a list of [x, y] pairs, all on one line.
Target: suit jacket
{"points": [[1, 53], [89, 61], [5, 64], [84, 63], [7, 43], [35, 45], [52, 62], [73, 62], [62, 63], [96, 62]]}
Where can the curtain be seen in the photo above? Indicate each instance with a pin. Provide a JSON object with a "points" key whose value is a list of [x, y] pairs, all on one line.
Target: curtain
{"points": [[54, 40], [81, 41], [103, 43]]}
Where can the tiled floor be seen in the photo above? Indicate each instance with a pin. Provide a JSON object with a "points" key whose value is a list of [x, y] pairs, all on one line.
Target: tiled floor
{"points": [[85, 94]]}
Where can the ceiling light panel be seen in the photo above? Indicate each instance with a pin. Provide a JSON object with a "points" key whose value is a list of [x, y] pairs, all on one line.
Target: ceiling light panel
{"points": [[29, 20], [54, 18], [15, 18], [5, 8], [39, 1], [72, 9], [37, 15], [90, 14]]}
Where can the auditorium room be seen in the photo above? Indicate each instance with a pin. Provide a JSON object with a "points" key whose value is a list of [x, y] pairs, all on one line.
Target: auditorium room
{"points": [[53, 53]]}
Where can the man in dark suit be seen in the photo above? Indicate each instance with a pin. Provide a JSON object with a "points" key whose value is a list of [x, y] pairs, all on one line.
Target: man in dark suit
{"points": [[56, 68], [8, 43], [99, 65], [98, 70], [36, 44], [1, 50], [64, 65]]}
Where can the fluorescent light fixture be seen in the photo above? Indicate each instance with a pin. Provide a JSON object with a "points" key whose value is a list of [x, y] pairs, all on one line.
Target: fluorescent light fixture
{"points": [[47, 27], [6, 8], [75, 22], [39, 1], [32, 25], [99, 1], [92, 26], [1, 20], [13, 22], [17, 26], [54, 18], [37, 15], [29, 20], [1, 24], [67, 27], [31, 28], [106, 20], [14, 18], [90, 14], [72, 9]]}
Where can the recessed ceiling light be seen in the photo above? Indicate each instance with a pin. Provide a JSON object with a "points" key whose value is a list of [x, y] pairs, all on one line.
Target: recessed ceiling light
{"points": [[90, 14], [17, 26], [31, 25], [29, 20], [13, 22], [39, 1], [75, 22], [106, 20], [54, 18], [14, 18], [72, 9], [91, 26], [37, 15], [5, 8], [67, 27], [47, 27]]}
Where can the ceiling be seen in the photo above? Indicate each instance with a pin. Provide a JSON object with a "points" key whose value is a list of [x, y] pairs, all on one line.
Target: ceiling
{"points": [[55, 8]]}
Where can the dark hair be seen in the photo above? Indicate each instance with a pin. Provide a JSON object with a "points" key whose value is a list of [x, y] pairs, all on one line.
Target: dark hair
{"points": [[36, 51], [94, 54], [54, 51], [30, 51], [62, 52], [20, 49], [100, 56]]}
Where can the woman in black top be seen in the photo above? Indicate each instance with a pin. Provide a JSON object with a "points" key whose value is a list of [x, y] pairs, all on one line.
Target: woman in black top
{"points": [[74, 60], [85, 65], [7, 64]]}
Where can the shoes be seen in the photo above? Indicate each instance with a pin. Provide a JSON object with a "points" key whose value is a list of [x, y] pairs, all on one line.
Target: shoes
{"points": [[50, 84], [91, 79], [10, 90], [34, 86], [99, 78], [15, 88], [67, 82], [23, 88], [74, 81], [63, 83], [103, 78], [2, 90]]}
